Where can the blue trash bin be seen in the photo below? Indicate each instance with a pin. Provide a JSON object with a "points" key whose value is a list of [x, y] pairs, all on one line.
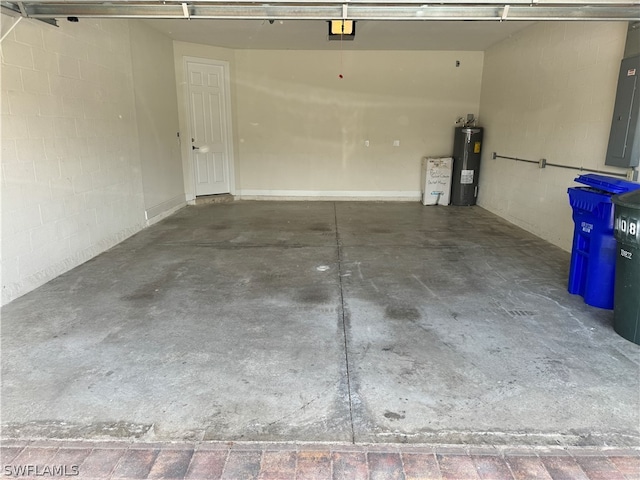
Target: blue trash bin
{"points": [[594, 252]]}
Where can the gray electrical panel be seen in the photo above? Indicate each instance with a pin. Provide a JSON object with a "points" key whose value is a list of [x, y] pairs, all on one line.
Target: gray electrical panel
{"points": [[624, 139]]}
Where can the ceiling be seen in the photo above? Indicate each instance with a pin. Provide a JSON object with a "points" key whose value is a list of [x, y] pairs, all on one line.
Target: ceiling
{"points": [[312, 34]]}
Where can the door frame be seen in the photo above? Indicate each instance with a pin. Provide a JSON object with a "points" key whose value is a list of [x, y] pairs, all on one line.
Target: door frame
{"points": [[228, 118]]}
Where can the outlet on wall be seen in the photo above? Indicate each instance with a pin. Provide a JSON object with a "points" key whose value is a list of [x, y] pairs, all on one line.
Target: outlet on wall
{"points": [[366, 143], [396, 143]]}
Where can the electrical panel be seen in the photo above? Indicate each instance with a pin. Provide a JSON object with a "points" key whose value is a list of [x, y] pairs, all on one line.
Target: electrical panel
{"points": [[624, 139]]}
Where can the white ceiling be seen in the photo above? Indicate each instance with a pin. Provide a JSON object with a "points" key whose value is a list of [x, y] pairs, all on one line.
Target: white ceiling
{"points": [[312, 34]]}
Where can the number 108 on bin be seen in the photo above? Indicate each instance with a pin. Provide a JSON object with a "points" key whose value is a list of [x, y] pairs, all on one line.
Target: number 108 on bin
{"points": [[628, 226]]}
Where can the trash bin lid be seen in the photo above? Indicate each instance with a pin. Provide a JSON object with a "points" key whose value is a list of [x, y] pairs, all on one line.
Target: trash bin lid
{"points": [[607, 184], [629, 199]]}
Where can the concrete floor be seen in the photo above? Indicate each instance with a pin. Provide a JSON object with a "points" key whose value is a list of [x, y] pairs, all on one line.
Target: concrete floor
{"points": [[320, 321]]}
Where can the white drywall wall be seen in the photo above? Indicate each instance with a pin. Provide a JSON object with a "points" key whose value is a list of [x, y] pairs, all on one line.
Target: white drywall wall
{"points": [[301, 131], [547, 92], [157, 119]]}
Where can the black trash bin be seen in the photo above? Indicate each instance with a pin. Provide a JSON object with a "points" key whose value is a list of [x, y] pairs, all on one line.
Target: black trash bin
{"points": [[626, 310]]}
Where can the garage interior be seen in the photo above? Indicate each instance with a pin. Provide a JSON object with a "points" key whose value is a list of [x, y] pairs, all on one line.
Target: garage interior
{"points": [[297, 290]]}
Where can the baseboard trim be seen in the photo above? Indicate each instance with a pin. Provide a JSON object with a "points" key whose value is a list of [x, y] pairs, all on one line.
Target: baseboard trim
{"points": [[353, 195], [164, 209]]}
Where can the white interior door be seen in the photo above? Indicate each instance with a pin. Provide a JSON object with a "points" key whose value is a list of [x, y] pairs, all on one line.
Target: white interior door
{"points": [[210, 138]]}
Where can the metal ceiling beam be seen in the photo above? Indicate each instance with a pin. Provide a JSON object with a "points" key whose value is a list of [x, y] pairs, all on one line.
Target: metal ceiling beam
{"points": [[13, 9], [488, 10], [125, 3]]}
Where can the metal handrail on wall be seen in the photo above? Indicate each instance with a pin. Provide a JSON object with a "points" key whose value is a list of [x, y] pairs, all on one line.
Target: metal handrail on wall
{"points": [[631, 174]]}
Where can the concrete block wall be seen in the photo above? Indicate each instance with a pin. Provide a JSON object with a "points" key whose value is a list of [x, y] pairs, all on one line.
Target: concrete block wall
{"points": [[547, 92], [71, 175]]}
